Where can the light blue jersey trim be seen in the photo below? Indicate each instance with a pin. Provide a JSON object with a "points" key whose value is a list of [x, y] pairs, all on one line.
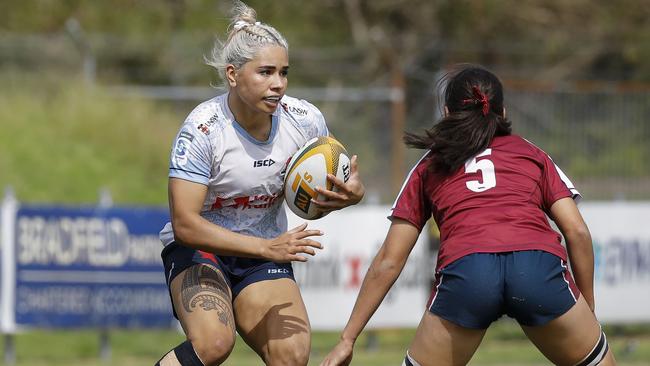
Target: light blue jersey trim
{"points": [[243, 132], [188, 175]]}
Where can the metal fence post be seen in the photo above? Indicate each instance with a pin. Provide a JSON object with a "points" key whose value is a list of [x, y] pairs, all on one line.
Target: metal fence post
{"points": [[82, 43], [9, 357], [105, 345], [8, 267], [105, 201]]}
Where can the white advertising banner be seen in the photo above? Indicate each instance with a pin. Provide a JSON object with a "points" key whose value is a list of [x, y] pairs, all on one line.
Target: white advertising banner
{"points": [[330, 281], [621, 238]]}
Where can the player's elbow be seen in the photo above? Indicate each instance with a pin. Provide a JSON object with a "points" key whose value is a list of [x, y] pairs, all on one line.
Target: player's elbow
{"points": [[388, 268], [183, 229], [578, 234]]}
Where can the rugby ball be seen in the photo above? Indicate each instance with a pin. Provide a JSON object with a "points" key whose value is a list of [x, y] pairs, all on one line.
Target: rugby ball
{"points": [[308, 169]]}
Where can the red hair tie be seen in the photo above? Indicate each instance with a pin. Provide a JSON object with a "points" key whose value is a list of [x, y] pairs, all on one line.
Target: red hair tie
{"points": [[479, 97]]}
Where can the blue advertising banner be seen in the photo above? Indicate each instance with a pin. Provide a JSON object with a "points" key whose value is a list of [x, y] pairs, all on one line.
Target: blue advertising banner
{"points": [[90, 267]]}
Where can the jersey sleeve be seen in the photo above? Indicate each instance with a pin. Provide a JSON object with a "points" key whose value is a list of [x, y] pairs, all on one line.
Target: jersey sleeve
{"points": [[412, 203], [555, 184], [319, 121], [191, 156], [306, 117]]}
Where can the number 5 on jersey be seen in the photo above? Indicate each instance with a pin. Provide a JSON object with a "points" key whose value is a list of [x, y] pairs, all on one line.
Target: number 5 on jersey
{"points": [[486, 167]]}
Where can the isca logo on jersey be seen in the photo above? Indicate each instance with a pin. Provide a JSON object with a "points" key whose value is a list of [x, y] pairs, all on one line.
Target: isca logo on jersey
{"points": [[264, 162], [278, 270]]}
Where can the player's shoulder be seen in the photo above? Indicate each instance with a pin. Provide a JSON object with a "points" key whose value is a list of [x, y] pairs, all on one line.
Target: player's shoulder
{"points": [[516, 144], [422, 167], [425, 160], [207, 117], [299, 110]]}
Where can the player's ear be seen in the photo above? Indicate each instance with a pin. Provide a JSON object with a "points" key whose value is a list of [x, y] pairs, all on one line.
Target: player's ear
{"points": [[231, 74], [446, 111], [504, 112]]}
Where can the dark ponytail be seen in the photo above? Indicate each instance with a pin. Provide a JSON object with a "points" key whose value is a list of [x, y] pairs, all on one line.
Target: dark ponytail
{"points": [[474, 99]]}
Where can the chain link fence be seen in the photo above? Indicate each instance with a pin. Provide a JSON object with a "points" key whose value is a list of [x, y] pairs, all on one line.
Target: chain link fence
{"points": [[598, 135]]}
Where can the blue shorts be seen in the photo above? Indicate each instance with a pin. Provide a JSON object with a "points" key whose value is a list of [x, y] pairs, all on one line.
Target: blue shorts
{"points": [[532, 286], [239, 272]]}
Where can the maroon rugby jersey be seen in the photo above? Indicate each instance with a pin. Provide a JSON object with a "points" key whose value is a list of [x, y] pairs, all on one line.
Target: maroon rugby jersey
{"points": [[497, 202]]}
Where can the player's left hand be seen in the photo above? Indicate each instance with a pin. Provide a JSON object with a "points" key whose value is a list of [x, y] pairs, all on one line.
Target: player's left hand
{"points": [[340, 355], [343, 194]]}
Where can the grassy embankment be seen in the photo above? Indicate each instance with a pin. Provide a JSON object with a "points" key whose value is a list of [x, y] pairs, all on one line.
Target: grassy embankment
{"points": [[63, 141]]}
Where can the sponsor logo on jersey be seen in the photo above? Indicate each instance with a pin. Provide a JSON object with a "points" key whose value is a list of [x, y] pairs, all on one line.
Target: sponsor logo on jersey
{"points": [[212, 120], [204, 128], [264, 162], [295, 110], [283, 173], [208, 126], [246, 202], [186, 135], [182, 145]]}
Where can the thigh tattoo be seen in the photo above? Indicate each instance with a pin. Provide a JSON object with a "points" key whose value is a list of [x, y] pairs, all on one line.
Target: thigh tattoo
{"points": [[205, 287]]}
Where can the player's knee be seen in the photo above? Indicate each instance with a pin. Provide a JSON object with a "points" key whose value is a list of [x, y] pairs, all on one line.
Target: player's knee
{"points": [[597, 354], [289, 354], [215, 349]]}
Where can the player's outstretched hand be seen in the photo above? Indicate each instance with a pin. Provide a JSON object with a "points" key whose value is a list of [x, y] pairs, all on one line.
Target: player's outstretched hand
{"points": [[290, 246], [340, 355], [343, 194]]}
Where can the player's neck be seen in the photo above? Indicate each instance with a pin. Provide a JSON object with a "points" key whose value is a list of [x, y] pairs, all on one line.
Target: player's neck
{"points": [[257, 124]]}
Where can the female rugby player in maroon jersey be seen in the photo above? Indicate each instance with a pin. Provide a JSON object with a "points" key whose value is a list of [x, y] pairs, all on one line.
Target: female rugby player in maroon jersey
{"points": [[490, 193]]}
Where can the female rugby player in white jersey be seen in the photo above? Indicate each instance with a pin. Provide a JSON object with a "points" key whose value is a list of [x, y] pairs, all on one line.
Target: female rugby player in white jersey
{"points": [[227, 252]]}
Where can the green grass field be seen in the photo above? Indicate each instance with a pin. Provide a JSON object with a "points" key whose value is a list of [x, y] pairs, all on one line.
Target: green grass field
{"points": [[504, 344]]}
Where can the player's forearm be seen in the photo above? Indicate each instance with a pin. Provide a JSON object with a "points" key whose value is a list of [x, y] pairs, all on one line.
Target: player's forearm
{"points": [[581, 257], [376, 284], [198, 233]]}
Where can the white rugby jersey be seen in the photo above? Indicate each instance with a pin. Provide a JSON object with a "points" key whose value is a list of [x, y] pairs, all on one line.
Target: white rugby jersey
{"points": [[244, 176]]}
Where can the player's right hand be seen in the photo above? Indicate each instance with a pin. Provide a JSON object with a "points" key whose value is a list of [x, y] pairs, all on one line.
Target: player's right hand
{"points": [[341, 355], [290, 246]]}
